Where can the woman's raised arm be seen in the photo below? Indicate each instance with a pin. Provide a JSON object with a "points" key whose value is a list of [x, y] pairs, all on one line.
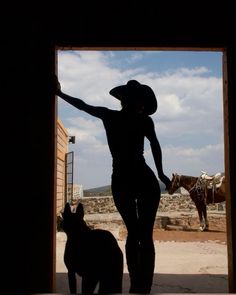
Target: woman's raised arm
{"points": [[79, 103]]}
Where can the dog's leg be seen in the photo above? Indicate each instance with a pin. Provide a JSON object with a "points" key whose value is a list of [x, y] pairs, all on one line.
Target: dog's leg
{"points": [[89, 284], [72, 281], [111, 282]]}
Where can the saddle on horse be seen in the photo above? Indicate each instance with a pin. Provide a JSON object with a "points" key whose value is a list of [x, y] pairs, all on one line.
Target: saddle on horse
{"points": [[210, 183]]}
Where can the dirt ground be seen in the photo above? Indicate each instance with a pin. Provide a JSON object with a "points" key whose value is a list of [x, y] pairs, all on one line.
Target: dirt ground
{"points": [[217, 233], [175, 232], [186, 262], [190, 236]]}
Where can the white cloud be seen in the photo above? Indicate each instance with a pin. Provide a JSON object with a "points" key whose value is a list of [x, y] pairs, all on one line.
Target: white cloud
{"points": [[172, 107], [135, 56], [87, 75], [92, 165], [186, 72], [190, 160], [89, 135]]}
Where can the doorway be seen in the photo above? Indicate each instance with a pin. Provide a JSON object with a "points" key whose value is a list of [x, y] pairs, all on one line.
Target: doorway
{"points": [[181, 110]]}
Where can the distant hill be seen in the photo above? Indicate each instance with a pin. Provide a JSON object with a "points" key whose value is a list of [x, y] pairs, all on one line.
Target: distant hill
{"points": [[106, 190], [98, 191]]}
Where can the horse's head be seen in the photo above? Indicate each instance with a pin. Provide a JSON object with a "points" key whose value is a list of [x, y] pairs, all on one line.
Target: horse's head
{"points": [[73, 222], [175, 183]]}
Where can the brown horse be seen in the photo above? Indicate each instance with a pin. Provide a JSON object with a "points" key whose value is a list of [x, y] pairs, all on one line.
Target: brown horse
{"points": [[203, 190]]}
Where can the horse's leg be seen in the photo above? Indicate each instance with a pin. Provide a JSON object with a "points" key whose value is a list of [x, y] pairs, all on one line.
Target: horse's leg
{"points": [[204, 211], [200, 215]]}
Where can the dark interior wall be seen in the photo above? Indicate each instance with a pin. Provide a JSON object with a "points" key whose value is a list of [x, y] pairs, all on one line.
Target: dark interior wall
{"points": [[132, 23], [28, 203], [29, 64]]}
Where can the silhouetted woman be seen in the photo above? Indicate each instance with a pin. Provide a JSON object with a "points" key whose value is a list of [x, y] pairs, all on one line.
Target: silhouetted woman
{"points": [[135, 188]]}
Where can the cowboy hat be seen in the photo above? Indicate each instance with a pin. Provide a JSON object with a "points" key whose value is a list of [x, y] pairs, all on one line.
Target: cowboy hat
{"points": [[134, 89]]}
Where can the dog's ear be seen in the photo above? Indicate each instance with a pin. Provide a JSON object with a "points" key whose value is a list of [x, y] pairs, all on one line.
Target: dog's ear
{"points": [[80, 210], [67, 210]]}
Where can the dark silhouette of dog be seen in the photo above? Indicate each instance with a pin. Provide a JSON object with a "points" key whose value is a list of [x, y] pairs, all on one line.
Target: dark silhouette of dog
{"points": [[93, 254]]}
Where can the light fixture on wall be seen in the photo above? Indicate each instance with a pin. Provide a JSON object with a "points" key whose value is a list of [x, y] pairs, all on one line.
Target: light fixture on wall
{"points": [[72, 139]]}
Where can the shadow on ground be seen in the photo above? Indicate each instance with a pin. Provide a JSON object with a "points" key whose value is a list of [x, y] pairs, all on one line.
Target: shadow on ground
{"points": [[166, 283]]}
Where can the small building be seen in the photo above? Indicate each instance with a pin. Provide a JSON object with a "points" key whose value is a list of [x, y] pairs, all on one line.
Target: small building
{"points": [[62, 151], [66, 190]]}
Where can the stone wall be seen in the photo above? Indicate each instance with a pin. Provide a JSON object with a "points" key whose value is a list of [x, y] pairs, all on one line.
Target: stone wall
{"points": [[168, 203], [175, 211]]}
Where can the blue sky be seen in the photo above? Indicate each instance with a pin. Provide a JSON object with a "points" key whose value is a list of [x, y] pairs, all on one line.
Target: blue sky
{"points": [[188, 121]]}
